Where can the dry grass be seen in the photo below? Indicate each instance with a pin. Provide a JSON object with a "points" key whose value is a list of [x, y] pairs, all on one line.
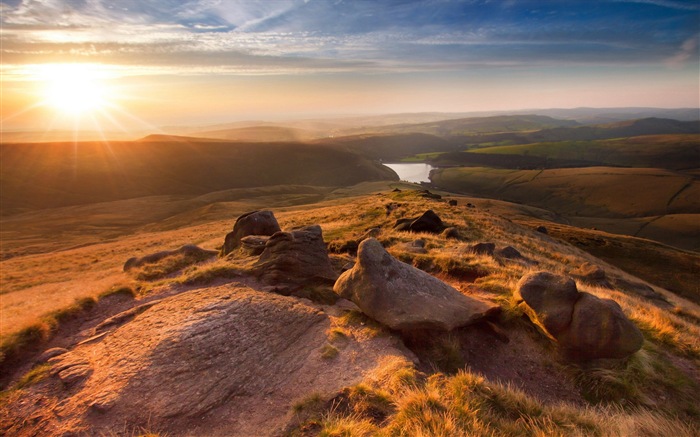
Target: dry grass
{"points": [[469, 404], [637, 397], [29, 338]]}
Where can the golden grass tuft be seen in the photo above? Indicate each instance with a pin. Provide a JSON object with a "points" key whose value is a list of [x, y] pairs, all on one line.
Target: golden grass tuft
{"points": [[469, 404], [18, 343]]}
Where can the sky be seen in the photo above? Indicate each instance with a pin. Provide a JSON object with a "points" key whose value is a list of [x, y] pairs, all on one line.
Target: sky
{"points": [[127, 64]]}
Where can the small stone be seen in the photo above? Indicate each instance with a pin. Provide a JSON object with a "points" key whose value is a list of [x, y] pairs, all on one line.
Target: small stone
{"points": [[509, 252], [483, 248], [50, 353]]}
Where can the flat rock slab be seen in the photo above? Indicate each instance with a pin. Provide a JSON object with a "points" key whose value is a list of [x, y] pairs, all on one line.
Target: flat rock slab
{"points": [[227, 360], [403, 297]]}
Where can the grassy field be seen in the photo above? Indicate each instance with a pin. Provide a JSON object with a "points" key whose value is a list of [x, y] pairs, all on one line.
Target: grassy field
{"points": [[38, 176], [462, 385], [658, 151], [648, 202]]}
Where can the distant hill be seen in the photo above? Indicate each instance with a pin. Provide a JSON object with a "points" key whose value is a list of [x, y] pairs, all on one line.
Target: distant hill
{"points": [[389, 147], [631, 128], [261, 134], [677, 152], [475, 125], [36, 176], [650, 202]]}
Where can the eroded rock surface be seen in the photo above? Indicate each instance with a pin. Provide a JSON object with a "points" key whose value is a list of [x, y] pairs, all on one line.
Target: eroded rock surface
{"points": [[404, 298], [227, 360], [296, 258]]}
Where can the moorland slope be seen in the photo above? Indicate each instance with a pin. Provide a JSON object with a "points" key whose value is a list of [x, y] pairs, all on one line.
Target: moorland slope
{"points": [[338, 371], [44, 175]]}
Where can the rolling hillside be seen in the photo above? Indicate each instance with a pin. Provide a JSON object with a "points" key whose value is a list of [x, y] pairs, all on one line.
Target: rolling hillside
{"points": [[262, 134], [675, 152], [389, 147], [655, 203], [630, 128], [36, 176]]}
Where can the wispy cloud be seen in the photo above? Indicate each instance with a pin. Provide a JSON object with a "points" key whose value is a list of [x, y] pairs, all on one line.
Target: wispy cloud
{"points": [[688, 52], [360, 35]]}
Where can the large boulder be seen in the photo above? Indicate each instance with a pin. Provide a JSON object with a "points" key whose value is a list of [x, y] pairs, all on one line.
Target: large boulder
{"points": [[403, 297], [585, 326], [552, 298], [427, 222], [599, 329], [296, 258], [251, 223]]}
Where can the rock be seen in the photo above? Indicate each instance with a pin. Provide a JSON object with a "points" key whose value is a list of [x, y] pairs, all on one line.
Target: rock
{"points": [[584, 326], [483, 248], [395, 190], [191, 251], [428, 222], [643, 290], [552, 297], [599, 329], [391, 207], [471, 205], [415, 246], [254, 244], [74, 374], [224, 360], [451, 232], [403, 297], [50, 353], [371, 233], [296, 258], [251, 223], [591, 273], [124, 316], [509, 252], [542, 230], [452, 202], [428, 195]]}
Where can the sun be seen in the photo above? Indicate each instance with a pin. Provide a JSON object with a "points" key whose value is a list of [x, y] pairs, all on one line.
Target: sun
{"points": [[74, 89]]}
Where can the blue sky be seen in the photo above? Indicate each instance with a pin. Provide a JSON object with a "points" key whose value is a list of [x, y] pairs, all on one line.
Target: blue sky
{"points": [[646, 49]]}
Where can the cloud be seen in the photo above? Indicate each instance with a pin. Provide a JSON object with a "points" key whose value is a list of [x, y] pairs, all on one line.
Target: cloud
{"points": [[319, 35], [687, 52], [691, 5]]}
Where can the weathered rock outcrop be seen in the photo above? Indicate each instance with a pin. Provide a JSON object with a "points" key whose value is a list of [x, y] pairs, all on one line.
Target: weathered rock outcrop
{"points": [[427, 222], [251, 223], [585, 326], [254, 244], [403, 297], [203, 363], [296, 258], [190, 251]]}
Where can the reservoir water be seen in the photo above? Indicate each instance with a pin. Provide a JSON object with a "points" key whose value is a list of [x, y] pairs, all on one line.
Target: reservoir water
{"points": [[412, 172]]}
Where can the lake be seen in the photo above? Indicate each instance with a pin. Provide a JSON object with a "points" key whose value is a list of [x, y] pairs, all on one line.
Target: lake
{"points": [[412, 172]]}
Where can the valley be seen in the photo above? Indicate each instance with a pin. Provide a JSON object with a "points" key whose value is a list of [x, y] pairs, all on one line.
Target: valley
{"points": [[73, 213]]}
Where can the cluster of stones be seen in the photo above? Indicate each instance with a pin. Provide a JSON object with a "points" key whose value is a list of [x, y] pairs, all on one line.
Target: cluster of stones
{"points": [[405, 298]]}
